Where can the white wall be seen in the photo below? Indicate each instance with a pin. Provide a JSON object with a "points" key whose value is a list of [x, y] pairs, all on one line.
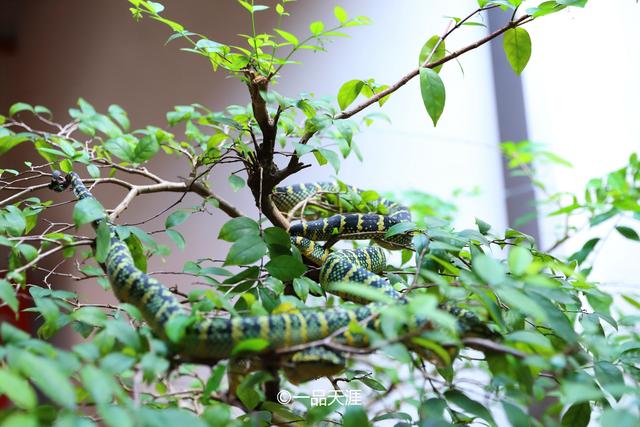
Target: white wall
{"points": [[582, 91]]}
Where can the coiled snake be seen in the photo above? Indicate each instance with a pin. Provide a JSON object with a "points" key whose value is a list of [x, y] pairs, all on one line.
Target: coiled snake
{"points": [[212, 339]]}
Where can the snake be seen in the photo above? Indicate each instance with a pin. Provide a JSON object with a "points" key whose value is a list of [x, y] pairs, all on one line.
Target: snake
{"points": [[212, 339]]}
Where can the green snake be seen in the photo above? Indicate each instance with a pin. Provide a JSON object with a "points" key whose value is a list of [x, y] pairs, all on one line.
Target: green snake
{"points": [[212, 339]]}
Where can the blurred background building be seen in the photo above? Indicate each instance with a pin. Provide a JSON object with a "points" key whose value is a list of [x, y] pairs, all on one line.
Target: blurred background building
{"points": [[578, 95]]}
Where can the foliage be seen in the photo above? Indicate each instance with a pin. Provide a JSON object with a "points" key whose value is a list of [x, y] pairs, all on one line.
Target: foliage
{"points": [[557, 334]]}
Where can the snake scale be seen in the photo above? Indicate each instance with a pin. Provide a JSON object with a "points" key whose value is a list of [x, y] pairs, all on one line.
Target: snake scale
{"points": [[212, 339]]}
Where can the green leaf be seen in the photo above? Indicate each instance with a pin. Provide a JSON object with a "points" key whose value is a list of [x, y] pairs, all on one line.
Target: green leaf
{"points": [[213, 383], [99, 384], [433, 93], [93, 171], [87, 210], [177, 326], [373, 384], [434, 348], [153, 366], [251, 345], [277, 237], [176, 218], [428, 47], [535, 339], [8, 295], [608, 374], [355, 416], [348, 92], [123, 332], [517, 417], [120, 148], [578, 415], [316, 28], [584, 252], [103, 241], [17, 389], [137, 252], [400, 228], [11, 335], [145, 149], [9, 141], [287, 36], [177, 238], [600, 218], [66, 166], [119, 115], [545, 8], [246, 250], [328, 155], [249, 391], [18, 107], [517, 47], [490, 270], [115, 416], [170, 417], [90, 315], [340, 14], [618, 418], [27, 251], [116, 363], [13, 220], [359, 290], [239, 227], [19, 419], [628, 232], [483, 227], [285, 267], [250, 273], [154, 7], [301, 288], [519, 259], [576, 3], [556, 319], [48, 377], [517, 300], [67, 148], [472, 407], [236, 182]]}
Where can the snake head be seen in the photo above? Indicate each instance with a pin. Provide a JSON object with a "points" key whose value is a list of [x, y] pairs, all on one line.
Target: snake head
{"points": [[58, 182]]}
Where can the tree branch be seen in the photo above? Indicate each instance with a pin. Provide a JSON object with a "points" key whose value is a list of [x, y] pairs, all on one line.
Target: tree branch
{"points": [[176, 187], [135, 171], [494, 346], [413, 73], [202, 190], [257, 85], [50, 252]]}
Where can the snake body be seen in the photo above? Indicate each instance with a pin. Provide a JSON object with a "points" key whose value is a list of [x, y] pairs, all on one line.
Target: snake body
{"points": [[214, 338], [211, 339], [346, 226]]}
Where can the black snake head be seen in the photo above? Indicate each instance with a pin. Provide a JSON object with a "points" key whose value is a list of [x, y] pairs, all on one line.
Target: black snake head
{"points": [[58, 182]]}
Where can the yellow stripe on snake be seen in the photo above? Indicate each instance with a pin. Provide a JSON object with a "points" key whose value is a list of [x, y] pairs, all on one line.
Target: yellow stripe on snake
{"points": [[212, 339]]}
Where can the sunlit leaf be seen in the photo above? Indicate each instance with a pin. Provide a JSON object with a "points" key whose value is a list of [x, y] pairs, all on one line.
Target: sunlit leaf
{"points": [[517, 47], [433, 93]]}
